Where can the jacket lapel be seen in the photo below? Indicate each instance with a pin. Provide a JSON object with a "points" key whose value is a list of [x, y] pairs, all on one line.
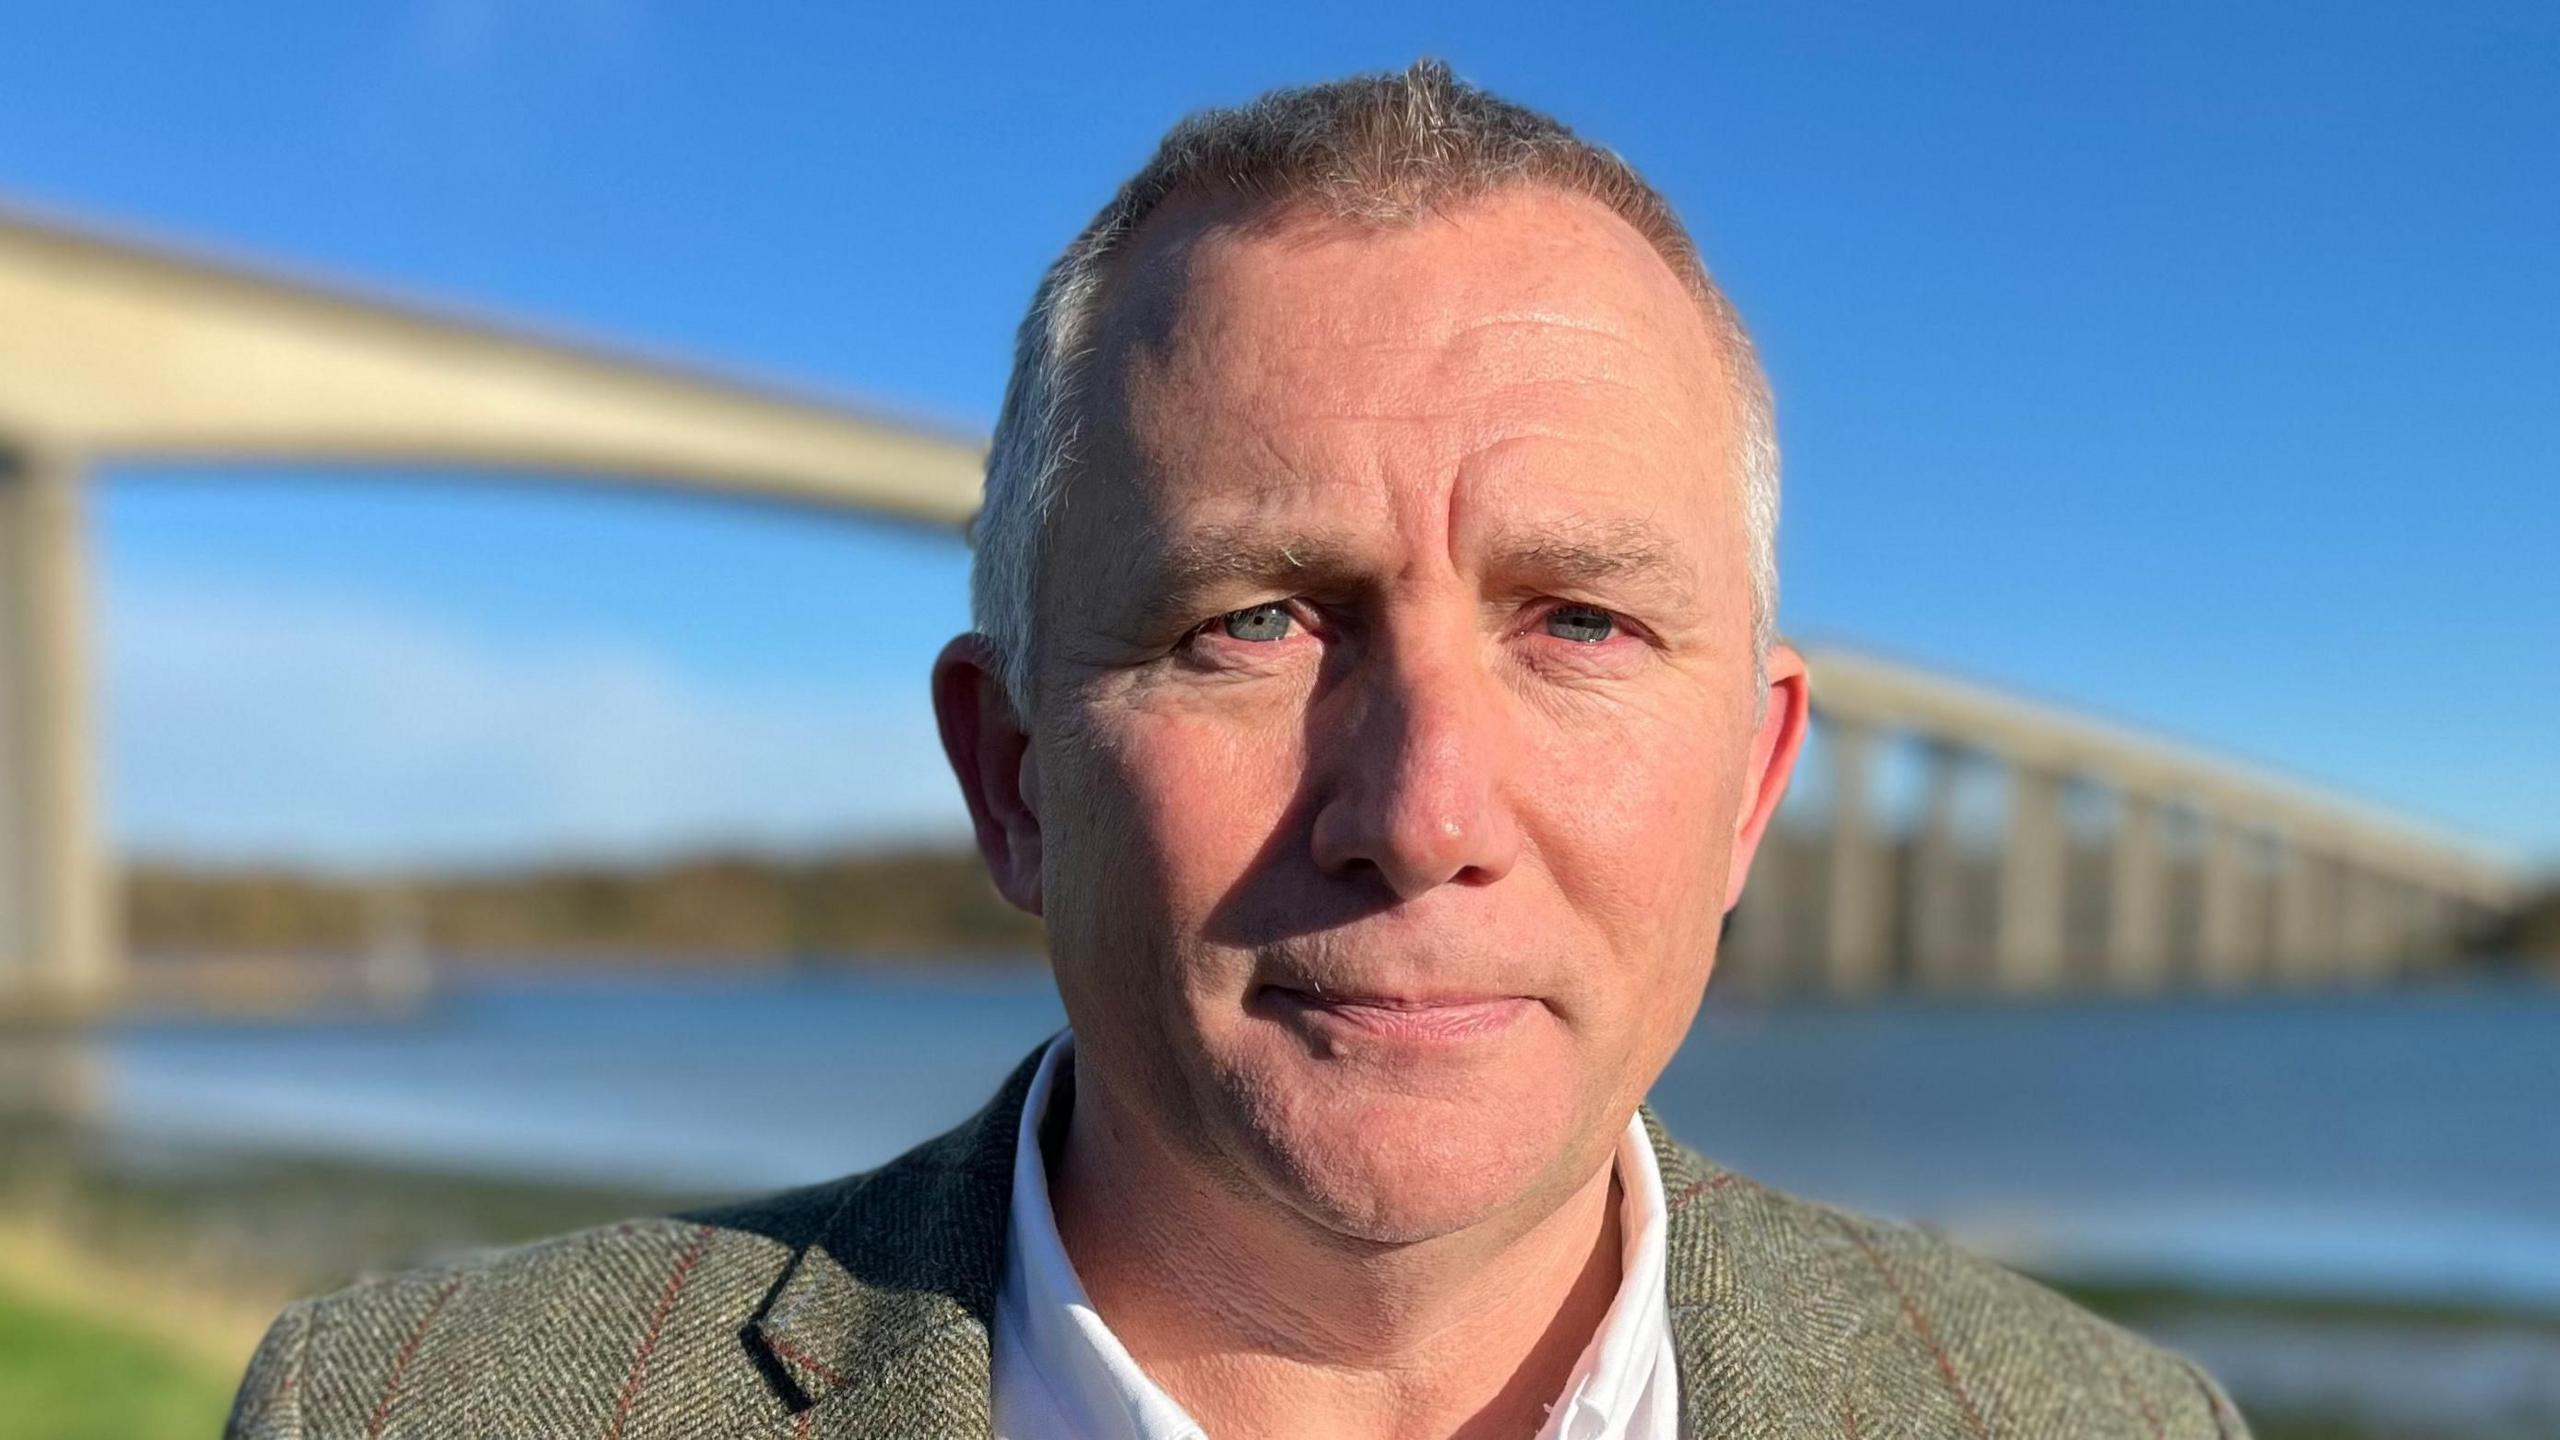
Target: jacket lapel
{"points": [[1763, 1343], [879, 1327]]}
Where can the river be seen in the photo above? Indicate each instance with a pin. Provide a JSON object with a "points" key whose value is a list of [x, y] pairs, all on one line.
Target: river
{"points": [[2403, 1144]]}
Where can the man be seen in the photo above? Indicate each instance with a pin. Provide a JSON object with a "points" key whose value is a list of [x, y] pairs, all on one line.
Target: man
{"points": [[1376, 690]]}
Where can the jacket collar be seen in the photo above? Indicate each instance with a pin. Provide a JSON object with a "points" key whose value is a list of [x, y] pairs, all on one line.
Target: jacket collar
{"points": [[881, 1323], [880, 1326], [1761, 1335]]}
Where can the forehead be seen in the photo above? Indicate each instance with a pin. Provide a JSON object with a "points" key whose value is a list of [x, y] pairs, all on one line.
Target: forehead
{"points": [[1525, 350]]}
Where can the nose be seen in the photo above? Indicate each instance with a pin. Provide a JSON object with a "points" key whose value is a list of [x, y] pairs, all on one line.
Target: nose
{"points": [[1417, 793]]}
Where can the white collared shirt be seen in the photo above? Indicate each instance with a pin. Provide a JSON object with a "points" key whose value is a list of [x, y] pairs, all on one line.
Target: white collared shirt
{"points": [[1060, 1374]]}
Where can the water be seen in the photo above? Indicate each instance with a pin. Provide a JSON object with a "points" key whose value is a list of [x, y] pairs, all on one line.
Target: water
{"points": [[2404, 1145]]}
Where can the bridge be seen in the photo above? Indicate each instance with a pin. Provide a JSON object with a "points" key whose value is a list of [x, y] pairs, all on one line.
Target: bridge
{"points": [[2106, 860], [114, 351]]}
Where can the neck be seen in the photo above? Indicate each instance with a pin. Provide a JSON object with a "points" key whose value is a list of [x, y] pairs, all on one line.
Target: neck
{"points": [[1259, 1322]]}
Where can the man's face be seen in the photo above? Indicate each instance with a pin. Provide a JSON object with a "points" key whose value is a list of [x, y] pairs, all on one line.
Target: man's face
{"points": [[1396, 753]]}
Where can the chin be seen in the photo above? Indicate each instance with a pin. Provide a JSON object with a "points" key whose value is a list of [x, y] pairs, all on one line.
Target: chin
{"points": [[1373, 1161]]}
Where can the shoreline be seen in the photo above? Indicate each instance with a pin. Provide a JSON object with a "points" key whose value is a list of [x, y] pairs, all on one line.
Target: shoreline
{"points": [[198, 1251]]}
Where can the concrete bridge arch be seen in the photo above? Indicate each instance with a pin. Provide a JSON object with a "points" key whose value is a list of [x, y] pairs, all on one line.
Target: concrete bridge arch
{"points": [[114, 351]]}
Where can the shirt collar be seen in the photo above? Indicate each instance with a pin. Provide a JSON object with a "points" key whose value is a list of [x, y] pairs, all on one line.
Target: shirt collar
{"points": [[1614, 1384], [1097, 1389]]}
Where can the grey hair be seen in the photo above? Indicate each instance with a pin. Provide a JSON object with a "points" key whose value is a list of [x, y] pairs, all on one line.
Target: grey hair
{"points": [[1385, 150]]}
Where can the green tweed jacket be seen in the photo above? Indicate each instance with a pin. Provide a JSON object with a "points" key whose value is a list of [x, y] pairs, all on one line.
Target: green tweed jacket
{"points": [[859, 1308]]}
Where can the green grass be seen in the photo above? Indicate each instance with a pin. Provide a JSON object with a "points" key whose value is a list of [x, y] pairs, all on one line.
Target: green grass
{"points": [[64, 1376]]}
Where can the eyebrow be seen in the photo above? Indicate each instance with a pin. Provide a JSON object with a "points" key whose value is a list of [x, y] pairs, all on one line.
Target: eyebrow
{"points": [[1582, 551], [1574, 553], [1173, 582]]}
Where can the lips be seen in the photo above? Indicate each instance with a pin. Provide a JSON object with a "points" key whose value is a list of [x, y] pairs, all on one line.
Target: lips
{"points": [[1418, 1019]]}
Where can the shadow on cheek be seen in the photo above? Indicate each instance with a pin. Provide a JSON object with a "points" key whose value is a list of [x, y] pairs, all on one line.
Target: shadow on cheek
{"points": [[1282, 894]]}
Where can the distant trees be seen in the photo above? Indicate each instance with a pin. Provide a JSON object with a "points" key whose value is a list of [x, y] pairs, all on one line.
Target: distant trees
{"points": [[855, 904]]}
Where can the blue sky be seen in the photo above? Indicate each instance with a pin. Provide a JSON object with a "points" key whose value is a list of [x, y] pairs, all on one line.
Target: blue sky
{"points": [[2189, 364]]}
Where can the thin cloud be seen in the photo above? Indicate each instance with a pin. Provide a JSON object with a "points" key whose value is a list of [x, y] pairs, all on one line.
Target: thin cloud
{"points": [[279, 723], [472, 34]]}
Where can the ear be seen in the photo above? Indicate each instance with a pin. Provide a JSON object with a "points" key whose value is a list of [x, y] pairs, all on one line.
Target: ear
{"points": [[990, 753], [1773, 761]]}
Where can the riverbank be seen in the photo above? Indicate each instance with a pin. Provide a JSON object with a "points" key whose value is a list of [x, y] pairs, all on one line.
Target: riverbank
{"points": [[135, 1280]]}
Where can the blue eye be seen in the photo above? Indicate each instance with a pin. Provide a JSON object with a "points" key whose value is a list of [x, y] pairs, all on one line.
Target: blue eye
{"points": [[1258, 623], [1583, 624]]}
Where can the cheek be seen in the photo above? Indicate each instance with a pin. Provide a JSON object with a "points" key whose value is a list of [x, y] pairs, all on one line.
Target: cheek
{"points": [[1636, 821], [1201, 798]]}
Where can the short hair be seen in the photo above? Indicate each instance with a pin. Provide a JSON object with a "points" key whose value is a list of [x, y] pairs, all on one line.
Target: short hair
{"points": [[1387, 150]]}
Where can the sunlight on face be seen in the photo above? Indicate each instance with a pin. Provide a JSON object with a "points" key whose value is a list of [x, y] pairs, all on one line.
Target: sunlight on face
{"points": [[1398, 700]]}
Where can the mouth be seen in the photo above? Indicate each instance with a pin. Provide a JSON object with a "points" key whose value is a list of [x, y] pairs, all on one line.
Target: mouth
{"points": [[1413, 1019]]}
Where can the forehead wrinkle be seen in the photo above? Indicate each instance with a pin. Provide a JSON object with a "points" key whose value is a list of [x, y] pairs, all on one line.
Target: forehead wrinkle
{"points": [[1216, 377], [1487, 357], [1432, 333], [1288, 367], [1614, 404], [1543, 319]]}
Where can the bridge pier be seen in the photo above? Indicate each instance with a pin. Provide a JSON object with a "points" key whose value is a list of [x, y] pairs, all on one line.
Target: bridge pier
{"points": [[2405, 904], [2027, 932], [1857, 883], [2422, 945], [1942, 952], [2137, 895], [2306, 914], [1759, 951], [2368, 948], [2228, 947], [57, 947]]}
